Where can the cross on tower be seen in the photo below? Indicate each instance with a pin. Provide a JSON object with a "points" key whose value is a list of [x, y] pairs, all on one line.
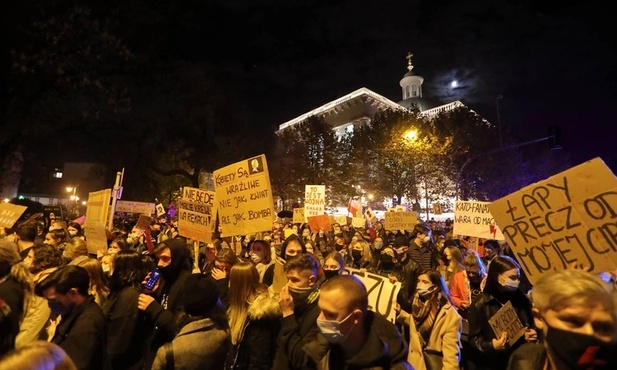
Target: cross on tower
{"points": [[408, 57]]}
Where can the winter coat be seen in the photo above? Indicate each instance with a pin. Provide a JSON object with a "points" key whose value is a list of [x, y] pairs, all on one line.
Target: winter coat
{"points": [[81, 334], [11, 309], [444, 338], [128, 329], [257, 345], [198, 345], [384, 348]]}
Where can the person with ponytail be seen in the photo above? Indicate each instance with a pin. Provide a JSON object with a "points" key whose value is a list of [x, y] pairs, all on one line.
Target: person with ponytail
{"points": [[16, 287]]}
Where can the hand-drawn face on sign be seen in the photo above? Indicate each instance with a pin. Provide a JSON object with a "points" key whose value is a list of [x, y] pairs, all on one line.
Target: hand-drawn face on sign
{"points": [[255, 165], [570, 218]]}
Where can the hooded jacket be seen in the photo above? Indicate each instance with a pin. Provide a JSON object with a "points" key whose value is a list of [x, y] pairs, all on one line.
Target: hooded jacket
{"points": [[256, 348]]}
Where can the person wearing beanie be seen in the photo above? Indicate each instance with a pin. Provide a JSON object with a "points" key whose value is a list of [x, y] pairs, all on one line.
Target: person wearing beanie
{"points": [[162, 305], [204, 339]]}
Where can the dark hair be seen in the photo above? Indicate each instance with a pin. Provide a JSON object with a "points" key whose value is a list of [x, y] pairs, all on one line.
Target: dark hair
{"points": [[493, 244], [129, 270], [121, 241], [498, 266], [226, 255], [437, 279], [45, 256], [27, 232], [303, 261], [64, 279], [58, 234], [289, 239], [419, 229], [75, 225]]}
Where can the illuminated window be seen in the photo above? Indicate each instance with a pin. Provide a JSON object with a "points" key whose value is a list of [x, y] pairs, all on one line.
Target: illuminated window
{"points": [[58, 175], [407, 93], [414, 90]]}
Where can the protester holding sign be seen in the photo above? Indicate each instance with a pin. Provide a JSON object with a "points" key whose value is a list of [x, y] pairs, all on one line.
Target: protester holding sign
{"points": [[502, 282]]}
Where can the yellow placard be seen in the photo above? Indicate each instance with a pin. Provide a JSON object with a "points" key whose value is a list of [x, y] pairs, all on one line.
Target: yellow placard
{"points": [[475, 219], [10, 213], [196, 214], [98, 208], [298, 216], [569, 218], [244, 197], [97, 238], [400, 220], [314, 200]]}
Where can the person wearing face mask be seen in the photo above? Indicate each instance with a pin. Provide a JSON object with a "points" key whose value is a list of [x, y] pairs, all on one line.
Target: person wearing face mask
{"points": [[387, 262], [464, 289], [81, 332], [162, 304], [420, 248], [352, 336], [577, 315], [362, 258], [298, 302], [260, 253], [340, 243], [487, 351], [434, 324], [75, 230], [453, 263], [333, 265]]}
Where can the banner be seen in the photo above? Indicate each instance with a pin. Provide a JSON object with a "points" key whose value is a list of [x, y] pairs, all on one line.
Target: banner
{"points": [[314, 200], [244, 197], [569, 218], [381, 292], [400, 220], [196, 214], [475, 219], [98, 208], [10, 213], [298, 217], [135, 207]]}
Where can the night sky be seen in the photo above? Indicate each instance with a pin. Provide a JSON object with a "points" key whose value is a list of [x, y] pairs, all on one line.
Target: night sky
{"points": [[553, 65]]}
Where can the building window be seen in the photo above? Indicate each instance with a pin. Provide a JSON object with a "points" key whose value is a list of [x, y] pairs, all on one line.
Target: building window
{"points": [[57, 175], [407, 93], [414, 90]]}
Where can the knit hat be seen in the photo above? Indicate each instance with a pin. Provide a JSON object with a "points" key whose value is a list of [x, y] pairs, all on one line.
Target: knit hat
{"points": [[201, 295]]}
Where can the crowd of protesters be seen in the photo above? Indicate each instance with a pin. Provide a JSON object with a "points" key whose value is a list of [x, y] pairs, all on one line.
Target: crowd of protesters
{"points": [[64, 307]]}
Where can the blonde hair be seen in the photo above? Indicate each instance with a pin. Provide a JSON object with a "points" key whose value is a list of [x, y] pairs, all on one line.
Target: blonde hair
{"points": [[244, 286], [38, 355], [9, 254], [97, 285], [366, 249]]}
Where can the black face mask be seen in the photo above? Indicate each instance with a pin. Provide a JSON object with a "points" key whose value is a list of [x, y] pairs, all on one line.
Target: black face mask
{"points": [[580, 351], [330, 273], [357, 255], [338, 247], [387, 262]]}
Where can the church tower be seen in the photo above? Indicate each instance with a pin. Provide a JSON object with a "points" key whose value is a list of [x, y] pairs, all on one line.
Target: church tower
{"points": [[411, 83]]}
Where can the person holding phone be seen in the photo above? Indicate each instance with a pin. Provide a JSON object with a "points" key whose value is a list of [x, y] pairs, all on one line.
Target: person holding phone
{"points": [[162, 304]]}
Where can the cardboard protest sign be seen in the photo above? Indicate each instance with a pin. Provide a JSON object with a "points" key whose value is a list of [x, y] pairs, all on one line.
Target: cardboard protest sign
{"points": [[298, 217], [287, 232], [135, 207], [244, 197], [400, 220], [97, 238], [369, 215], [196, 214], [358, 222], [400, 208], [321, 222], [10, 213], [143, 222], [341, 220], [437, 208], [381, 292], [98, 207], [314, 200], [566, 219], [474, 219], [507, 320], [280, 279]]}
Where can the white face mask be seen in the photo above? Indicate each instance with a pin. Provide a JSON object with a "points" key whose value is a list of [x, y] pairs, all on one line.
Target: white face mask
{"points": [[508, 284], [424, 289], [426, 239], [331, 329], [73, 233], [255, 257]]}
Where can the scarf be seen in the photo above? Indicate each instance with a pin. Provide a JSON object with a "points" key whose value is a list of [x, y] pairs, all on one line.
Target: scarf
{"points": [[425, 313]]}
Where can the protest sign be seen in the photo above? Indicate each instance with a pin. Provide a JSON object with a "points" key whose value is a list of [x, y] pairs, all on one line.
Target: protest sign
{"points": [[97, 238], [567, 219], [369, 215], [358, 222], [314, 200], [280, 279], [341, 220], [381, 292], [298, 217], [400, 220], [321, 222], [507, 320], [160, 210], [135, 207], [196, 214], [98, 209], [10, 213], [287, 233], [244, 197], [143, 222], [474, 219], [437, 208]]}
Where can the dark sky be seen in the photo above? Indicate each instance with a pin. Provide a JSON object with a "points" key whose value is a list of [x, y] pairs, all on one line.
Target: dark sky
{"points": [[552, 64]]}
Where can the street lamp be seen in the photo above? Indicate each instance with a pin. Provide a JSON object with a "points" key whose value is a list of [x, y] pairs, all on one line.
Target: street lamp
{"points": [[74, 198]]}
